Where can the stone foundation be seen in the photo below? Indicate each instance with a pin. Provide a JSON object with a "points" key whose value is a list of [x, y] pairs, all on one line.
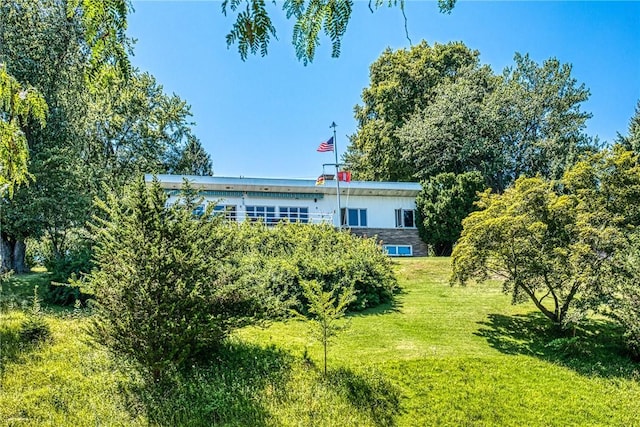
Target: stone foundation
{"points": [[395, 236]]}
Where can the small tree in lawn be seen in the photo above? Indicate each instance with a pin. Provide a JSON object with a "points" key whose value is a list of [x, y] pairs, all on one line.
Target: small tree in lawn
{"points": [[325, 309]]}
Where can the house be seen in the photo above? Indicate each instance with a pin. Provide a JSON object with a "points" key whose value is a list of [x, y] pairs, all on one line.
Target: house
{"points": [[382, 209]]}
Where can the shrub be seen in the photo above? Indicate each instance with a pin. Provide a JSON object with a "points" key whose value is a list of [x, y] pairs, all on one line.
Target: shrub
{"points": [[284, 256], [35, 329], [163, 297], [66, 295]]}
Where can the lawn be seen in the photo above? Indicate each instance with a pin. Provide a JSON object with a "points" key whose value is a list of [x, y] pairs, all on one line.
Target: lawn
{"points": [[440, 355]]}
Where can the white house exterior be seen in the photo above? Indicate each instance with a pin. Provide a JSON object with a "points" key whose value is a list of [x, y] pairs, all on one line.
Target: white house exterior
{"points": [[382, 209]]}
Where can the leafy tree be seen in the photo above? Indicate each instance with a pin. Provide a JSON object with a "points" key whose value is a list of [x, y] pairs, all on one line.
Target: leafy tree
{"points": [[542, 126], [325, 309], [191, 159], [17, 106], [104, 126], [531, 237], [163, 296], [528, 122], [632, 140], [139, 129], [42, 48], [555, 242], [445, 200], [253, 29], [402, 83], [622, 296], [457, 132]]}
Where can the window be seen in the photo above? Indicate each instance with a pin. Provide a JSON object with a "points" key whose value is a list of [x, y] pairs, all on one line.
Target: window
{"points": [[266, 213], [294, 214], [229, 211], [198, 211], [353, 217], [398, 250], [405, 218]]}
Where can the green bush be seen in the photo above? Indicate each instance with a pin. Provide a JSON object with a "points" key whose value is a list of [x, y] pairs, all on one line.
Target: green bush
{"points": [[34, 330], [163, 298], [66, 295], [284, 256]]}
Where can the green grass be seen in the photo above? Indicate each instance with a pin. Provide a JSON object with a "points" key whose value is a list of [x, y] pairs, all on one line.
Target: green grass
{"points": [[440, 356]]}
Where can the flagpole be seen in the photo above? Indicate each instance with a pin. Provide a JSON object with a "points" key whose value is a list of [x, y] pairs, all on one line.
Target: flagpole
{"points": [[335, 151]]}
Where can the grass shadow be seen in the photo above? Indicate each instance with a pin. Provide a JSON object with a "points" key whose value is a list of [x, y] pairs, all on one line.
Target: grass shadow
{"points": [[393, 306], [227, 390], [370, 394], [597, 348]]}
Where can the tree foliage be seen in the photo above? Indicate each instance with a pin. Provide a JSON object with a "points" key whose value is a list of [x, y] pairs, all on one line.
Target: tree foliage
{"points": [[163, 297], [435, 109], [445, 200], [325, 309], [456, 132], [18, 105], [402, 82], [542, 126], [253, 28], [139, 129], [554, 242], [632, 140], [104, 125]]}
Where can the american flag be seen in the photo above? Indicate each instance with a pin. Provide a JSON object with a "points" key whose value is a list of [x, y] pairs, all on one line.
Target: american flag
{"points": [[326, 146]]}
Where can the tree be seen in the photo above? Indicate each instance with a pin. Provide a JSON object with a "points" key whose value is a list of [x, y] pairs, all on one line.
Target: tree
{"points": [[43, 49], [542, 125], [325, 309], [106, 24], [402, 82], [163, 296], [18, 105], [191, 159], [632, 140], [139, 129], [554, 242], [445, 200], [458, 131]]}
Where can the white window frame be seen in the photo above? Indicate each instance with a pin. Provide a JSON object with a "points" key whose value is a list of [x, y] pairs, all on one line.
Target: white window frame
{"points": [[294, 213], [400, 218], [256, 212], [344, 217]]}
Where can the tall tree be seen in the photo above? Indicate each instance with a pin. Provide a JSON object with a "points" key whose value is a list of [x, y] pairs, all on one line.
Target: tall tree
{"points": [[190, 159], [632, 140], [457, 132], [402, 82], [41, 47], [18, 105], [542, 126]]}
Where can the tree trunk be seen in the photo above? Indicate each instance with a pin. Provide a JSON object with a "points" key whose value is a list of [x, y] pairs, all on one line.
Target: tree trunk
{"points": [[6, 254], [19, 253], [443, 248]]}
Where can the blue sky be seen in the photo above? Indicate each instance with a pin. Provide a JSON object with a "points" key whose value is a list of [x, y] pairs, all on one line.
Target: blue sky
{"points": [[266, 116]]}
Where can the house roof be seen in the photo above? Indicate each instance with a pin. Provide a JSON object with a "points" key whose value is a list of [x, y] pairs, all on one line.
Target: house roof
{"points": [[280, 185]]}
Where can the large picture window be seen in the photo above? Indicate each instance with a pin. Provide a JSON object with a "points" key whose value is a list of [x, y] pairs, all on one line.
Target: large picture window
{"points": [[353, 217], [266, 213], [405, 218], [294, 214]]}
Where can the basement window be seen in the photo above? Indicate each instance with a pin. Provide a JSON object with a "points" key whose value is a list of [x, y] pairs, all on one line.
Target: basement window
{"points": [[398, 250]]}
